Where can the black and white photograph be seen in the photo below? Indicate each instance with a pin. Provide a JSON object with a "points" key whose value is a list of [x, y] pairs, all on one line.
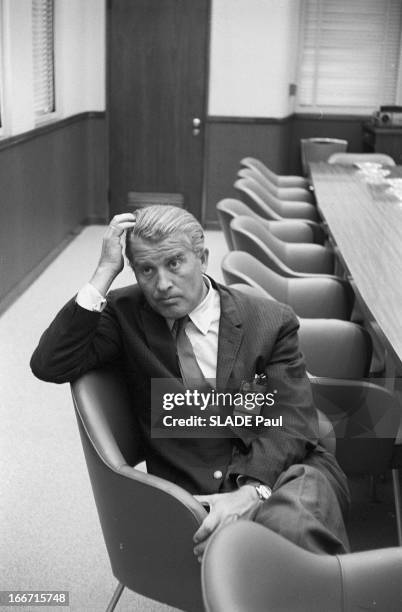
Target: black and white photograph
{"points": [[201, 305]]}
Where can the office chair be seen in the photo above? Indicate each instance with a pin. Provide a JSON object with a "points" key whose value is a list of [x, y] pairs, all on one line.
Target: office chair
{"points": [[267, 205], [319, 149], [249, 568], [280, 180], [258, 209], [340, 350], [331, 347], [336, 349], [297, 194], [352, 158], [366, 420], [319, 297], [289, 230], [147, 522], [288, 259]]}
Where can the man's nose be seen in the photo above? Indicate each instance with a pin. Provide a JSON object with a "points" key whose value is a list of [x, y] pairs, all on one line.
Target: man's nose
{"points": [[163, 281]]}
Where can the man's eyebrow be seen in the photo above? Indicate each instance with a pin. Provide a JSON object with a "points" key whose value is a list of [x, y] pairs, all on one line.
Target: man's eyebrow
{"points": [[141, 260]]}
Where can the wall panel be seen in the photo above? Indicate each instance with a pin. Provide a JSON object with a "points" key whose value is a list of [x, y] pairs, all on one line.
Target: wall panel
{"points": [[275, 141], [230, 139], [51, 180], [328, 126]]}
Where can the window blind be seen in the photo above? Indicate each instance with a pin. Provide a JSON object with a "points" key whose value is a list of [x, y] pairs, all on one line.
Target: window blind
{"points": [[350, 53], [43, 56]]}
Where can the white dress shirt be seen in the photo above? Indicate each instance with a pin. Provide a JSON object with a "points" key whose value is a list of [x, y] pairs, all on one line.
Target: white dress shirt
{"points": [[202, 329]]}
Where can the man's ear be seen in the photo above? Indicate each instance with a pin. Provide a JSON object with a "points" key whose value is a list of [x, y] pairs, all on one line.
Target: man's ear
{"points": [[204, 260]]}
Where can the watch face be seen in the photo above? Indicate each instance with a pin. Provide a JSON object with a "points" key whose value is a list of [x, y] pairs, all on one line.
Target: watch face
{"points": [[263, 492]]}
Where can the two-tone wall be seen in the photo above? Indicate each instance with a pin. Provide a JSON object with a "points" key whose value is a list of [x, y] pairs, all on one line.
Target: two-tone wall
{"points": [[274, 141], [52, 180], [53, 177], [253, 62], [56, 177]]}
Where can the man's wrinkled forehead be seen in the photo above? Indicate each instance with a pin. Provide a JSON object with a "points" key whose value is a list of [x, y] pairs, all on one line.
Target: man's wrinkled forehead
{"points": [[143, 250]]}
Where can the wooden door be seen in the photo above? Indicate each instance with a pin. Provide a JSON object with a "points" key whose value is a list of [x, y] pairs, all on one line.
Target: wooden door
{"points": [[157, 87]]}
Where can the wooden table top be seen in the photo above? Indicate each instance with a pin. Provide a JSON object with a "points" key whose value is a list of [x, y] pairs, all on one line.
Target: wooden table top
{"points": [[365, 221]]}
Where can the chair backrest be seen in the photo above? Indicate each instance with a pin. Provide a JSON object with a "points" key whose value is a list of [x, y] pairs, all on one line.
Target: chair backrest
{"points": [[147, 522], [259, 178], [281, 180], [298, 194], [228, 209], [292, 260], [262, 193], [309, 297], [289, 230], [254, 197], [259, 167], [240, 267], [366, 420], [292, 209], [352, 158], [334, 348], [251, 236], [319, 149], [249, 568]]}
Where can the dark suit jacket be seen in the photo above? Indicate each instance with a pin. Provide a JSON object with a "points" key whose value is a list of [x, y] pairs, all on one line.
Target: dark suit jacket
{"points": [[255, 336]]}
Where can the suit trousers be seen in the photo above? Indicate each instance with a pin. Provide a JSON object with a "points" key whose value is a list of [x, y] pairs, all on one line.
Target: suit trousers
{"points": [[305, 509]]}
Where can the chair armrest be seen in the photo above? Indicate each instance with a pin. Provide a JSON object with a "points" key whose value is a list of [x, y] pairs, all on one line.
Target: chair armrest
{"points": [[165, 486], [310, 258], [298, 210]]}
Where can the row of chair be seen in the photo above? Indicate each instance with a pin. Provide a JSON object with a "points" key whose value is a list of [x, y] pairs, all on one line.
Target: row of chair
{"points": [[312, 296], [282, 259]]}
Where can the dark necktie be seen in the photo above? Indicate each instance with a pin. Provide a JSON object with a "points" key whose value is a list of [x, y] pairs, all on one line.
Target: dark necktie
{"points": [[190, 370]]}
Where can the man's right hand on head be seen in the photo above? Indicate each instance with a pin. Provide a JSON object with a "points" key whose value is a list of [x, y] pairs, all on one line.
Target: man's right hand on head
{"points": [[111, 261]]}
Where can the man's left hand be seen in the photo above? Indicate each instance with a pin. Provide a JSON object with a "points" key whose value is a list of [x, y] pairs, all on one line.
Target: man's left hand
{"points": [[224, 508]]}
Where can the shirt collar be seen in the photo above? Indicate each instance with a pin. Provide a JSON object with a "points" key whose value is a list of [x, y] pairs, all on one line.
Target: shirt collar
{"points": [[204, 314]]}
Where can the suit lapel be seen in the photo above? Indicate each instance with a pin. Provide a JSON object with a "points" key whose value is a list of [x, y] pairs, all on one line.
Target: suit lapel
{"points": [[230, 337], [160, 339], [161, 343]]}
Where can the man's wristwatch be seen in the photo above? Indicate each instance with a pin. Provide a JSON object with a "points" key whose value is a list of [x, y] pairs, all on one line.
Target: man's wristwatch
{"points": [[263, 491]]}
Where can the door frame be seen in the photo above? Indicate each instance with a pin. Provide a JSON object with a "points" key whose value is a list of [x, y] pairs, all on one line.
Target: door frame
{"points": [[205, 102]]}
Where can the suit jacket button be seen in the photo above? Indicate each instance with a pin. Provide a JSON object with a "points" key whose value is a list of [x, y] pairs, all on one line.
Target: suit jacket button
{"points": [[218, 475]]}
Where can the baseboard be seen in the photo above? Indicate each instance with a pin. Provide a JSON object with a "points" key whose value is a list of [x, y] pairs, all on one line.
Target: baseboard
{"points": [[212, 225], [95, 220]]}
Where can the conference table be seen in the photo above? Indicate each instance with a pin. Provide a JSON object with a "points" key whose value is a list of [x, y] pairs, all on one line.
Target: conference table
{"points": [[365, 224]]}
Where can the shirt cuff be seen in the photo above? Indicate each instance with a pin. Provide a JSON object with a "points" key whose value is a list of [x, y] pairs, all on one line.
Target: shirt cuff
{"points": [[89, 298]]}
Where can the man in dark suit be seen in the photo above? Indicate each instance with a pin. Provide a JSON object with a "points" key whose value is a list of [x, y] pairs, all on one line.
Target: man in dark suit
{"points": [[177, 320]]}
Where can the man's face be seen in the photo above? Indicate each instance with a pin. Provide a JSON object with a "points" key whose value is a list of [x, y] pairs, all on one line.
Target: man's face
{"points": [[169, 274]]}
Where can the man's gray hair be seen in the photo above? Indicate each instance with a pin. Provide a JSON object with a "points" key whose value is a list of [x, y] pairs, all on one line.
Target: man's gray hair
{"points": [[157, 222]]}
